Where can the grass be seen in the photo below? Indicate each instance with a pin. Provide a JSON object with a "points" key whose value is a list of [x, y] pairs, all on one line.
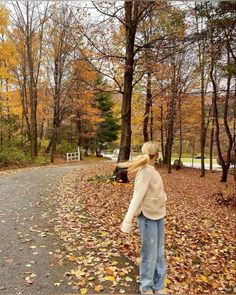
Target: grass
{"points": [[195, 161]]}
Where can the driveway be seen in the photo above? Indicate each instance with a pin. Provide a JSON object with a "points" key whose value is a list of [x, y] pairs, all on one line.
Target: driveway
{"points": [[29, 245]]}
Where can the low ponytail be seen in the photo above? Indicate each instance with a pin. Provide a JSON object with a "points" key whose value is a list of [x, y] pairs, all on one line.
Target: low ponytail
{"points": [[135, 164], [149, 149]]}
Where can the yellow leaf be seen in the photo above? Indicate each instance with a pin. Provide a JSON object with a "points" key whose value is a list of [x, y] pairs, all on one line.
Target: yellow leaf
{"points": [[203, 279], [98, 288], [83, 291], [72, 258], [110, 278], [78, 273], [167, 281]]}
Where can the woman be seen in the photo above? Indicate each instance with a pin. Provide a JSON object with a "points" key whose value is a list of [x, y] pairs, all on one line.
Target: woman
{"points": [[148, 203]]}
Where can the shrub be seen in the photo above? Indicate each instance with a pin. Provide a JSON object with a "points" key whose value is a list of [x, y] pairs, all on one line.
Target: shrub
{"points": [[12, 156], [178, 164], [65, 147]]}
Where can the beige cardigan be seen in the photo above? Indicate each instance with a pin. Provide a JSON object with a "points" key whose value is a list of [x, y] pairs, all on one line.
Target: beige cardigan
{"points": [[149, 197]]}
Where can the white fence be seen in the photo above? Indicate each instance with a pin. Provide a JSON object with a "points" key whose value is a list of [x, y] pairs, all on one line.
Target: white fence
{"points": [[73, 156]]}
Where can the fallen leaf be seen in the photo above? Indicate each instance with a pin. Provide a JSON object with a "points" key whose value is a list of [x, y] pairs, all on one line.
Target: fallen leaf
{"points": [[110, 278], [28, 280], [83, 291], [99, 288]]}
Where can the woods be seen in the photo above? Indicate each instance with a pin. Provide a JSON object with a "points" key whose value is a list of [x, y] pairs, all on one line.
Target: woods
{"points": [[149, 65], [92, 81]]}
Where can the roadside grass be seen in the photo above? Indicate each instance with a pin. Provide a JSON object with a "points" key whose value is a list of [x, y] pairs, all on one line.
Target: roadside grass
{"points": [[195, 161]]}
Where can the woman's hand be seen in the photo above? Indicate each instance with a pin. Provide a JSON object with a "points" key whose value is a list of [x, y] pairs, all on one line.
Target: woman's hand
{"points": [[126, 227]]}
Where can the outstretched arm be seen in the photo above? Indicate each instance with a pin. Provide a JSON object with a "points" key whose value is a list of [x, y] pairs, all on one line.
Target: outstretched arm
{"points": [[142, 181]]}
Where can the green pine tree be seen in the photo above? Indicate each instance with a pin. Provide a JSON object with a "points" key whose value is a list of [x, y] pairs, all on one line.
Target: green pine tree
{"points": [[108, 128]]}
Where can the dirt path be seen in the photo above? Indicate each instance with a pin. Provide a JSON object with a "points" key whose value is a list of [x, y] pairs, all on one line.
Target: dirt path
{"points": [[28, 247]]}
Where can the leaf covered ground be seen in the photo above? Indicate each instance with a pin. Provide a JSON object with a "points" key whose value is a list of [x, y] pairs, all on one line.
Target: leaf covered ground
{"points": [[200, 233]]}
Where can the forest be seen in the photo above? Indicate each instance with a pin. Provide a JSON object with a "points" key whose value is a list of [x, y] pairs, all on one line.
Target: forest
{"points": [[100, 79], [105, 75]]}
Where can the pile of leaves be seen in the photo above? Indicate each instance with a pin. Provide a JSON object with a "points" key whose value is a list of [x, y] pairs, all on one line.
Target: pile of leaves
{"points": [[200, 242]]}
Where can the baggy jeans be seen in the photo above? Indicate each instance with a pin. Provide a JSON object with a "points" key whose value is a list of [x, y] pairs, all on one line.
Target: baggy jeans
{"points": [[152, 266]]}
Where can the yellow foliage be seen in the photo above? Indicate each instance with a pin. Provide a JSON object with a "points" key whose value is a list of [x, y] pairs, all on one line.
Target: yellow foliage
{"points": [[4, 18]]}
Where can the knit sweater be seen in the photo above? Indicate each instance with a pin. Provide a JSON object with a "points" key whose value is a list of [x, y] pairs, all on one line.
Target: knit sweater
{"points": [[149, 197]]}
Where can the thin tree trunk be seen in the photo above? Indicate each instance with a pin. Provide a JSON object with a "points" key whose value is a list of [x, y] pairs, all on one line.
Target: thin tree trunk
{"points": [[151, 124], [201, 57], [56, 108], [203, 128], [32, 88], [216, 117], [41, 133], [170, 132], [24, 102], [171, 118], [212, 146], [54, 144], [147, 108], [162, 134], [8, 112], [193, 152], [226, 125], [180, 134]]}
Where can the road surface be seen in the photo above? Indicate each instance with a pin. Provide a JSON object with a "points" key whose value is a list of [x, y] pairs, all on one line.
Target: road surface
{"points": [[28, 264]]}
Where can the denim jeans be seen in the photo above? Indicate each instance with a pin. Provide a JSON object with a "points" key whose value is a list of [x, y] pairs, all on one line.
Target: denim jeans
{"points": [[152, 267]]}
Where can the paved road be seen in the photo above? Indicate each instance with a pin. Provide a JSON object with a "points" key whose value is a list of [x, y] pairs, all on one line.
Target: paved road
{"points": [[27, 238]]}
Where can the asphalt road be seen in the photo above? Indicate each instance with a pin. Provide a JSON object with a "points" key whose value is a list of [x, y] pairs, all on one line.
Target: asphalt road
{"points": [[28, 242]]}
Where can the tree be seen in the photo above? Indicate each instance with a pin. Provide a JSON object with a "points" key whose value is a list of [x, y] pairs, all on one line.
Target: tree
{"points": [[29, 21], [61, 42], [83, 107], [129, 16], [202, 65], [108, 128], [7, 64], [221, 19]]}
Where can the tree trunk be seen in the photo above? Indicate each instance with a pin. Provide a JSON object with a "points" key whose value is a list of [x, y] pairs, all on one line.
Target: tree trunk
{"points": [[201, 57], [147, 108], [162, 134], [226, 125], [171, 117], [125, 141], [193, 152], [151, 125], [41, 134], [24, 102], [56, 108], [8, 112], [180, 134], [54, 144], [170, 133], [216, 117], [211, 146], [203, 127], [32, 88]]}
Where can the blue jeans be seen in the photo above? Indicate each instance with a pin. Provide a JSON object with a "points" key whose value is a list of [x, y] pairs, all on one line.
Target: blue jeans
{"points": [[152, 267]]}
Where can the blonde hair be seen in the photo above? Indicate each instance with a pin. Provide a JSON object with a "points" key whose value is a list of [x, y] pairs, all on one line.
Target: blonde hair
{"points": [[149, 149]]}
